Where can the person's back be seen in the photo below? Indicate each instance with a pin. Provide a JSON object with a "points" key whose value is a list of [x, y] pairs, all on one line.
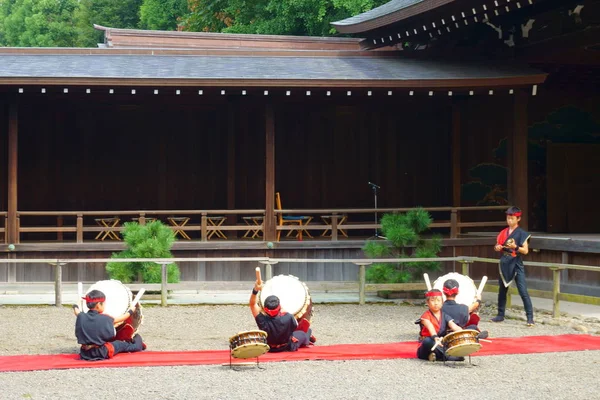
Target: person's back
{"points": [[458, 312], [94, 328], [279, 329]]}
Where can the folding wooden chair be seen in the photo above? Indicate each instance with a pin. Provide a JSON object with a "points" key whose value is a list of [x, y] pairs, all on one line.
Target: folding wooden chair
{"points": [[299, 220]]}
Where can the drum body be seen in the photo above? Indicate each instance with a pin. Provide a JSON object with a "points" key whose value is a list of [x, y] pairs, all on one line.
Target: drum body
{"points": [[293, 295], [467, 291], [118, 300], [461, 344], [249, 344]]}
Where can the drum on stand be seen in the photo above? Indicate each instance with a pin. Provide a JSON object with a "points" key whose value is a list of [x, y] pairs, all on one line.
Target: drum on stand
{"points": [[118, 300], [462, 343], [293, 295]]}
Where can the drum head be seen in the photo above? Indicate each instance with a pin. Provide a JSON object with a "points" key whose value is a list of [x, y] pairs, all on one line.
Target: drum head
{"points": [[466, 287], [292, 293], [462, 350], [118, 297], [250, 350]]}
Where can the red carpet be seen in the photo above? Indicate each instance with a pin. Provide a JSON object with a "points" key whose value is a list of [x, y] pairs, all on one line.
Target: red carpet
{"points": [[521, 345]]}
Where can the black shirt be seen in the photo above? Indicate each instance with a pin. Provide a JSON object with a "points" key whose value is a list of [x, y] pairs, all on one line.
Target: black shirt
{"points": [[458, 312], [279, 329], [94, 328]]}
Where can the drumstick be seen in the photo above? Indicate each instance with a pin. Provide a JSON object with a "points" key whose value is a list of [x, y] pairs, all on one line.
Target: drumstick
{"points": [[427, 282], [80, 295], [434, 346], [137, 297], [485, 340], [258, 278], [481, 285]]}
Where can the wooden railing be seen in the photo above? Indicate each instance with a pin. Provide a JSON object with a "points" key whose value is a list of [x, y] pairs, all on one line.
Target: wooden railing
{"points": [[206, 222], [267, 264]]}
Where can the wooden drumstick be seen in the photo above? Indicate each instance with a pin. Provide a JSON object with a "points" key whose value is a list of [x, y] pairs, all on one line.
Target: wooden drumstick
{"points": [[258, 278], [434, 346], [481, 285], [427, 281], [485, 340], [137, 297]]}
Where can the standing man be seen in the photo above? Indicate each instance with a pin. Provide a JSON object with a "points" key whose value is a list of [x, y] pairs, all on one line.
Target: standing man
{"points": [[512, 242]]}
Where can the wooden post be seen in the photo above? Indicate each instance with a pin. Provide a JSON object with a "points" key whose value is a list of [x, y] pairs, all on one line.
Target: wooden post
{"points": [[231, 171], [555, 291], [517, 157], [564, 273], [79, 234], [59, 224], [57, 283], [362, 280], [204, 227], [163, 284], [465, 267], [454, 223], [13, 152], [334, 227], [457, 106], [142, 219], [270, 233]]}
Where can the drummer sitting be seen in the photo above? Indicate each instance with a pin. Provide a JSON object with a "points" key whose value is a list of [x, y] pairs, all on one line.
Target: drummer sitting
{"points": [[284, 333], [434, 323], [96, 331], [464, 315]]}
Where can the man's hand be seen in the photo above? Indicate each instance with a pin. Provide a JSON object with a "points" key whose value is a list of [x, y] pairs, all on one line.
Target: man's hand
{"points": [[258, 285], [498, 247], [76, 309]]}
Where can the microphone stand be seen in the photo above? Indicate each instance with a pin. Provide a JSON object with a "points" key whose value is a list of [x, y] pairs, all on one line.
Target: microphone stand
{"points": [[375, 188]]}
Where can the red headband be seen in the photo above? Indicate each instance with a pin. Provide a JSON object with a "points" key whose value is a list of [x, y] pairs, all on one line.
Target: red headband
{"points": [[517, 214], [96, 300], [450, 292], [433, 294], [273, 312]]}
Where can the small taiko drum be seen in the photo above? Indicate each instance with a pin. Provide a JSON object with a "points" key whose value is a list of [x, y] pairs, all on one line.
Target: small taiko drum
{"points": [[467, 291], [248, 344], [462, 343], [293, 295], [118, 300]]}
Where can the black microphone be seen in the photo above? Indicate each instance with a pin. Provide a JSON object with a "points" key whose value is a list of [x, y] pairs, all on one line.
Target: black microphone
{"points": [[374, 185]]}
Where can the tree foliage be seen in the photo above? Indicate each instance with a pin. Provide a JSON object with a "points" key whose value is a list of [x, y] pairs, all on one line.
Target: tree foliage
{"points": [[153, 240], [165, 15], [403, 234], [122, 14], [38, 23], [275, 17]]}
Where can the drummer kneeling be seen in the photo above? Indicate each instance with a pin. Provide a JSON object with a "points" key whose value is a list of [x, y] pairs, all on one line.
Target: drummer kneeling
{"points": [[284, 333], [462, 314], [96, 331], [434, 324]]}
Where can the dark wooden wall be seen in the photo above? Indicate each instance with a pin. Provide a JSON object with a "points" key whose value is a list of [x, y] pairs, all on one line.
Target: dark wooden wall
{"points": [[128, 153]]}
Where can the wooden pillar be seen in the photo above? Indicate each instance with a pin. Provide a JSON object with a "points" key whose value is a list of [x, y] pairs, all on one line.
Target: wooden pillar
{"points": [[13, 149], [231, 117], [457, 106], [270, 221], [517, 157]]}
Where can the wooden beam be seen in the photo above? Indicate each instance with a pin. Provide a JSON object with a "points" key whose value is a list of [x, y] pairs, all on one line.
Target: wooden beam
{"points": [[456, 139], [231, 114], [517, 150], [270, 221], [13, 152]]}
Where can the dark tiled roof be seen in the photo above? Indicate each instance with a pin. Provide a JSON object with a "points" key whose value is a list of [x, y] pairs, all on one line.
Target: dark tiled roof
{"points": [[386, 14], [272, 70]]}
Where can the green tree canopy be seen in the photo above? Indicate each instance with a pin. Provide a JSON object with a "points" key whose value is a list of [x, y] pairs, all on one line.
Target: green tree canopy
{"points": [[275, 17], [38, 23], [112, 13], [162, 15]]}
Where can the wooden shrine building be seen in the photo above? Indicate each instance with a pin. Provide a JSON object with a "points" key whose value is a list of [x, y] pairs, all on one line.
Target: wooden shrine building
{"points": [[437, 103]]}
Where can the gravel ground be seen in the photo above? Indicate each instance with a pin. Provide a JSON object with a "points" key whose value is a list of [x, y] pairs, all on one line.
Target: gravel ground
{"points": [[49, 330]]}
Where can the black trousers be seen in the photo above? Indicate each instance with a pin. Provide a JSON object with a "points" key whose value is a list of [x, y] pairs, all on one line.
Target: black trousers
{"points": [[521, 287]]}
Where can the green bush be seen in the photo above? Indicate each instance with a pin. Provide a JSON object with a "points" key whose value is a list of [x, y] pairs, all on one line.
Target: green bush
{"points": [[402, 232], [153, 240]]}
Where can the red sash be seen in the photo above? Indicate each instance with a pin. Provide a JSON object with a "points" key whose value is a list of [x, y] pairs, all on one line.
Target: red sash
{"points": [[501, 239]]}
